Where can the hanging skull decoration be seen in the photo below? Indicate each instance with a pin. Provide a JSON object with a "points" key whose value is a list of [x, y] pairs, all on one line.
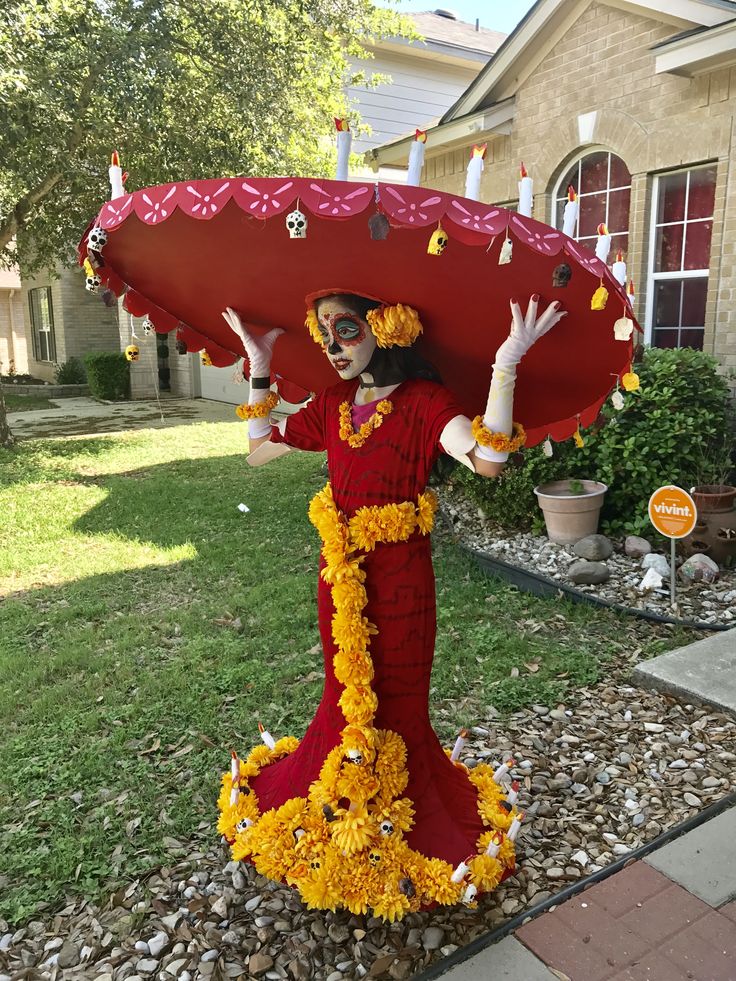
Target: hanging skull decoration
{"points": [[378, 226], [205, 359], [438, 241], [148, 327], [97, 239], [386, 827], [132, 352], [296, 222], [92, 282], [561, 275]]}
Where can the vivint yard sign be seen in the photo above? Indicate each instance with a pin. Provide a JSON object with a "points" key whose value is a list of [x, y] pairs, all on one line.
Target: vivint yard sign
{"points": [[673, 513]]}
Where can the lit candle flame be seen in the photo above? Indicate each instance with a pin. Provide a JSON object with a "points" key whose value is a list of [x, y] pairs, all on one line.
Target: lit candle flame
{"points": [[602, 230], [479, 150], [341, 125], [523, 170], [266, 736], [572, 194], [114, 159], [420, 136]]}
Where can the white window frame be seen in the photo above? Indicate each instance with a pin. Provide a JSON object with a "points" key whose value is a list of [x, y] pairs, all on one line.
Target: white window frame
{"points": [[588, 151], [655, 277], [46, 329]]}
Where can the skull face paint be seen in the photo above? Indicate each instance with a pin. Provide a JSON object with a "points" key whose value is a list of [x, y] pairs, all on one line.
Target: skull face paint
{"points": [[347, 337]]}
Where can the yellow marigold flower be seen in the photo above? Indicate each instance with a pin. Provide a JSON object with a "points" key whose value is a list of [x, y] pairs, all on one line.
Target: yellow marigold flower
{"points": [[243, 846], [350, 597], [391, 906], [360, 737], [494, 815], [292, 812], [401, 814], [353, 667], [507, 854], [352, 831], [426, 508], [398, 325], [358, 704], [391, 764], [260, 756], [285, 746], [319, 893], [356, 783], [485, 872], [312, 324], [352, 633], [274, 863], [437, 884]]}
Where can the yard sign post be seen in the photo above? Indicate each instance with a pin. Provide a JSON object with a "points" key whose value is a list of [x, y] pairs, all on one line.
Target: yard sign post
{"points": [[673, 513]]}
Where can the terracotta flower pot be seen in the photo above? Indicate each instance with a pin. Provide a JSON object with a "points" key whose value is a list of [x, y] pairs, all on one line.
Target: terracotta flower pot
{"points": [[713, 497], [567, 515]]}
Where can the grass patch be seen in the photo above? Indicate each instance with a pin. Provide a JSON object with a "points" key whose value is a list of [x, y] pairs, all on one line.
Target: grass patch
{"points": [[148, 625], [16, 402]]}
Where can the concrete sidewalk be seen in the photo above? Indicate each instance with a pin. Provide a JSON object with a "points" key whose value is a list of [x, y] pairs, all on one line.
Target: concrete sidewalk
{"points": [[85, 416]]}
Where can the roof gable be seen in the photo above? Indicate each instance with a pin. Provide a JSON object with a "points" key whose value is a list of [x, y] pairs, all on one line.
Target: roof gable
{"points": [[549, 20]]}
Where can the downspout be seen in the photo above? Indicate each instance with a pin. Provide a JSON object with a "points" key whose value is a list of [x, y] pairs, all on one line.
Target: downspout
{"points": [[11, 321]]}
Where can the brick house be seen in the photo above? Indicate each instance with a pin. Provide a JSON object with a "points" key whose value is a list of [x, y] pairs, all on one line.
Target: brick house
{"points": [[632, 102]]}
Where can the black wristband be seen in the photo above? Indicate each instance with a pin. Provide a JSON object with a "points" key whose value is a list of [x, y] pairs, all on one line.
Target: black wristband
{"points": [[262, 382]]}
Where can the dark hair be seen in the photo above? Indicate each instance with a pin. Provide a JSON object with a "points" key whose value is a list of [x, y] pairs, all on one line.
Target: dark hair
{"points": [[405, 360]]}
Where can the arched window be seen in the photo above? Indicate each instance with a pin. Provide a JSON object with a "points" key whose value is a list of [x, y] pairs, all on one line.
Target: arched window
{"points": [[603, 183]]}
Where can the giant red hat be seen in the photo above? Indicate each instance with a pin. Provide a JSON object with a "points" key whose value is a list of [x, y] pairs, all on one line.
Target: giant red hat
{"points": [[183, 252]]}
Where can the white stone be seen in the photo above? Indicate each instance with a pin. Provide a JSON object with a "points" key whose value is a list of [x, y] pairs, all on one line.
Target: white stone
{"points": [[157, 943], [580, 857], [652, 580], [657, 562]]}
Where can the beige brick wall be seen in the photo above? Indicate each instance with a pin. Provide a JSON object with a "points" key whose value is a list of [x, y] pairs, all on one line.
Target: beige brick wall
{"points": [[12, 332], [654, 122]]}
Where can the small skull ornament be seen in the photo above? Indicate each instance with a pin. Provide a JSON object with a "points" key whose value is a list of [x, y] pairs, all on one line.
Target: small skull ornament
{"points": [[386, 827], [242, 825], [147, 326], [97, 239], [438, 241], [92, 283], [132, 352], [296, 223], [561, 275], [374, 856], [355, 756], [205, 359]]}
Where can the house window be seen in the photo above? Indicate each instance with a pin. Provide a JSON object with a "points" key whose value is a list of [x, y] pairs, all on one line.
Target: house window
{"points": [[603, 183], [42, 322], [682, 225]]}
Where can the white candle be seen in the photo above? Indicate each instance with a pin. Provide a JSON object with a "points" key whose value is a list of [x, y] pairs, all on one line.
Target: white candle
{"points": [[631, 295], [494, 844], [344, 141], [570, 216], [266, 736], [513, 794], [526, 193], [617, 400], [116, 177], [460, 872], [603, 245], [459, 744], [475, 169], [235, 777], [515, 825], [619, 269], [501, 771], [416, 158], [470, 894]]}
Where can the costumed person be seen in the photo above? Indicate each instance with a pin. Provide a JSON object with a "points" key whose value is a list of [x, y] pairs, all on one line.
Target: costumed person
{"points": [[368, 811]]}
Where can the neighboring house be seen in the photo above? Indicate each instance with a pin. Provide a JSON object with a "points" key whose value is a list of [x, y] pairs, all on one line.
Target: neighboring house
{"points": [[633, 102], [13, 354]]}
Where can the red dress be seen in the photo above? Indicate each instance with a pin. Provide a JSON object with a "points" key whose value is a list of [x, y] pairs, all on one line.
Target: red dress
{"points": [[393, 465]]}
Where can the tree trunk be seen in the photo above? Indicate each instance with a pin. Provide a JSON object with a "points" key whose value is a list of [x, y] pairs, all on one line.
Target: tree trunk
{"points": [[6, 437]]}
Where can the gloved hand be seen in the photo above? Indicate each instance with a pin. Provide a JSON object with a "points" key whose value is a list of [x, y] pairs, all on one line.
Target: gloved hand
{"points": [[258, 349]]}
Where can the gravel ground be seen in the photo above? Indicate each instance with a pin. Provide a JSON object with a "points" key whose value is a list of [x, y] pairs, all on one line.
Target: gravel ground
{"points": [[600, 776], [697, 602]]}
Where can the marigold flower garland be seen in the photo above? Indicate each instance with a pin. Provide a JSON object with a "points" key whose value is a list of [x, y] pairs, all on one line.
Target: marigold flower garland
{"points": [[394, 325], [499, 442], [357, 856], [258, 410], [347, 432]]}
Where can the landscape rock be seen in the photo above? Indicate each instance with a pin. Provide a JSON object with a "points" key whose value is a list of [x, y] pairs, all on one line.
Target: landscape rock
{"points": [[68, 956], [636, 547], [432, 938], [594, 548], [588, 573], [699, 568], [653, 560], [652, 580]]}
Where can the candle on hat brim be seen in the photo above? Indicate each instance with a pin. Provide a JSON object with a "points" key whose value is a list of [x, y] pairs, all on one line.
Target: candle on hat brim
{"points": [[500, 772], [494, 844], [266, 736], [526, 193], [235, 777], [619, 269], [603, 245], [631, 294], [515, 825], [469, 895], [344, 142], [416, 158], [475, 169], [513, 794], [462, 870], [459, 745], [115, 173], [570, 216]]}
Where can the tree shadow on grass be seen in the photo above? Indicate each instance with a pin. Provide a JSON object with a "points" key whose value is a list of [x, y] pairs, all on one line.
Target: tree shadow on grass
{"points": [[48, 459]]}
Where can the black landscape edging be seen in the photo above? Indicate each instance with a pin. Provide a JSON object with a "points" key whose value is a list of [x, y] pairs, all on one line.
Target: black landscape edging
{"points": [[463, 954]]}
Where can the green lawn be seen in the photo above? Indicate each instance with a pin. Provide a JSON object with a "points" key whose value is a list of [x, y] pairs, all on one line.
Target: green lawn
{"points": [[149, 625], [15, 402]]}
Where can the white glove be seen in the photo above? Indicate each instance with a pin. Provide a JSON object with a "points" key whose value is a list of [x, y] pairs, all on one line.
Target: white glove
{"points": [[525, 332], [258, 349]]}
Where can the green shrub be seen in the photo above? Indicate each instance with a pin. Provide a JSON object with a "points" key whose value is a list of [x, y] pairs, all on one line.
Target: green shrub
{"points": [[673, 430], [678, 428], [108, 375], [71, 373]]}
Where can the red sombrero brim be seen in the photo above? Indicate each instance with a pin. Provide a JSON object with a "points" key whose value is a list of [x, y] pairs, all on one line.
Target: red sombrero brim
{"points": [[183, 252]]}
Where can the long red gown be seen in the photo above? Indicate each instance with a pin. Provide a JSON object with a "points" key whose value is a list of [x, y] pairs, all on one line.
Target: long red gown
{"points": [[393, 465]]}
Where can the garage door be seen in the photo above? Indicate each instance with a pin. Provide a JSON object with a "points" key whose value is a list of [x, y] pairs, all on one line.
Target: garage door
{"points": [[218, 384]]}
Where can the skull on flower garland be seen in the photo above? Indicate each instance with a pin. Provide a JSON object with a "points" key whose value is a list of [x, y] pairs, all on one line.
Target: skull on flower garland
{"points": [[296, 222]]}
